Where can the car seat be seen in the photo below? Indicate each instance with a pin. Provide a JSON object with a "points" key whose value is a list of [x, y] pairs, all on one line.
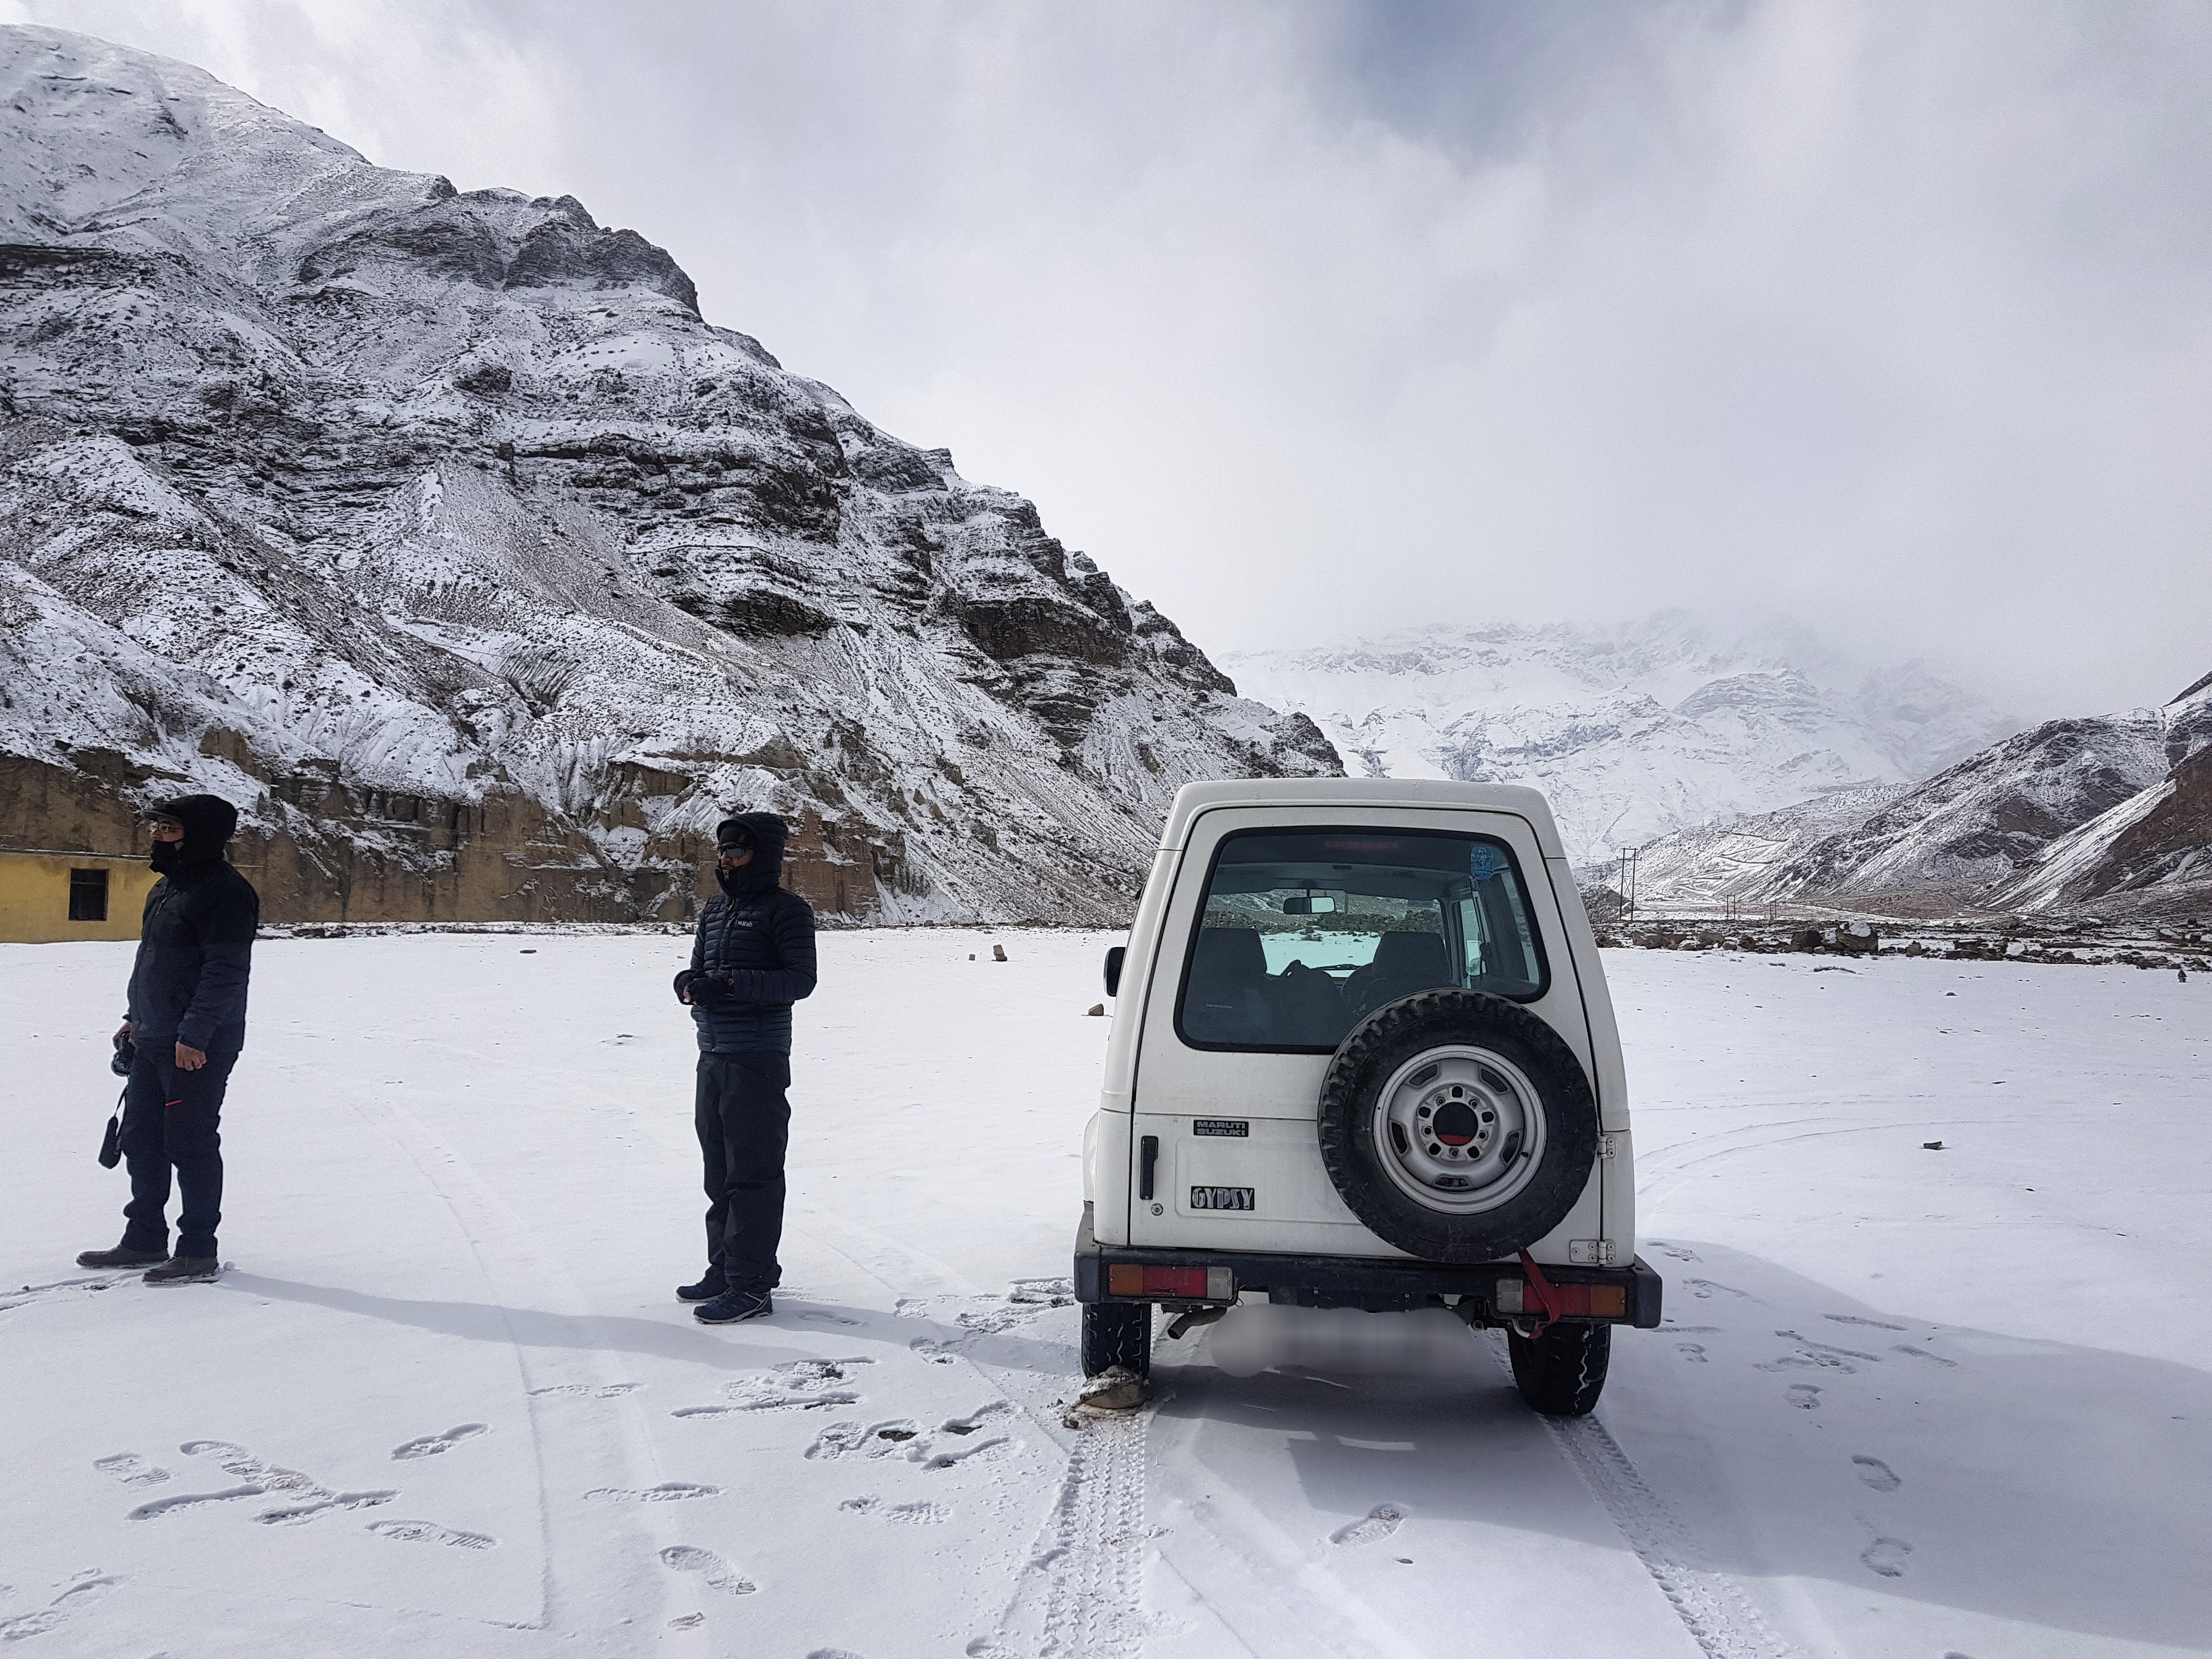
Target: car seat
{"points": [[1404, 963], [1223, 999]]}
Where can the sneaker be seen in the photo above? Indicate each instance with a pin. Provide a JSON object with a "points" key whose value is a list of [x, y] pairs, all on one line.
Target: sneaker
{"points": [[186, 1270], [121, 1256], [732, 1305], [710, 1286]]}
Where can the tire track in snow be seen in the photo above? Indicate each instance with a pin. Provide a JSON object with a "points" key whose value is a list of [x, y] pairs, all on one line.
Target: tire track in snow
{"points": [[1712, 1606], [1081, 1594]]}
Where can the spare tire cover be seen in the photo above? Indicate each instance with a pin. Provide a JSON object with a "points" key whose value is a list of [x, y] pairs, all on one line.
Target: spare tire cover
{"points": [[1458, 1126]]}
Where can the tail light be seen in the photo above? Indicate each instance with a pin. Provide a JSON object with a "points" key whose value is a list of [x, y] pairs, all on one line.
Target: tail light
{"points": [[1571, 1301], [1182, 1284]]}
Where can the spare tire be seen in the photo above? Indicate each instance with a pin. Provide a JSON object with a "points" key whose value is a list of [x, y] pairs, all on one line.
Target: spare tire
{"points": [[1457, 1125]]}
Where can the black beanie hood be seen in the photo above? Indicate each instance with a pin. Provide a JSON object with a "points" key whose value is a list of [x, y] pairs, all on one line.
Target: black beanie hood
{"points": [[769, 835], [209, 822]]}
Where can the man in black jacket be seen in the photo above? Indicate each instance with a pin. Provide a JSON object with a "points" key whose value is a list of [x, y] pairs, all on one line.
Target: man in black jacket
{"points": [[753, 958], [186, 1023]]}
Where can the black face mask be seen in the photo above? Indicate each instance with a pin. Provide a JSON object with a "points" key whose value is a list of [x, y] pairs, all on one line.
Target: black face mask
{"points": [[168, 857], [746, 878]]}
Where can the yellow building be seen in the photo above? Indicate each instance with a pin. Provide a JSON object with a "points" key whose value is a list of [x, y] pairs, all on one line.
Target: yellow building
{"points": [[49, 896]]}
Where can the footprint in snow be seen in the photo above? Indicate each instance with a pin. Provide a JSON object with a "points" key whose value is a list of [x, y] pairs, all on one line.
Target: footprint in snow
{"points": [[608, 1391], [1885, 1556], [1372, 1527], [294, 1515], [1693, 1351], [668, 1491], [930, 1458], [802, 1385], [718, 1574], [919, 1514], [1853, 1319], [1678, 1252], [431, 1444], [1922, 1353], [1876, 1473], [933, 1351], [1804, 1395], [430, 1532], [837, 1440], [259, 1479], [131, 1469], [90, 1587], [974, 1419], [1703, 1289], [832, 1653]]}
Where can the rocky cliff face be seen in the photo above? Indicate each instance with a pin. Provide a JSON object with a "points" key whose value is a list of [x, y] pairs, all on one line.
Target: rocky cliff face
{"points": [[1632, 731], [441, 531]]}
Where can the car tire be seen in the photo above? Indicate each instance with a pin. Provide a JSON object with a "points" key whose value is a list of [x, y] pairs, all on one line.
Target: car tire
{"points": [[1561, 1372], [1531, 1140], [1117, 1334]]}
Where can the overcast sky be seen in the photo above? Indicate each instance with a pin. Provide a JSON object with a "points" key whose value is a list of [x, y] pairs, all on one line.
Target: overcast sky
{"points": [[1307, 319]]}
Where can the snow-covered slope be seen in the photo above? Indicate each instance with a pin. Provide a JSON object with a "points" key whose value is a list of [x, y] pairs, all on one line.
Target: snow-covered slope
{"points": [[1902, 1407], [1633, 730], [2051, 818], [1737, 857], [441, 530]]}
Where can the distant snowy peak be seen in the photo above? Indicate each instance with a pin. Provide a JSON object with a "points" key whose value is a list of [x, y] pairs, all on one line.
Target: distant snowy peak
{"points": [[441, 531], [1633, 730]]}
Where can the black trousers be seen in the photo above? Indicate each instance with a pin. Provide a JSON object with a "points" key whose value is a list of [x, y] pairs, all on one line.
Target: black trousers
{"points": [[170, 1118], [744, 1119]]}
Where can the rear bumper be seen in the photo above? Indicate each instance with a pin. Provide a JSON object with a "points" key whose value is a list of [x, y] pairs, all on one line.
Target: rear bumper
{"points": [[1388, 1285]]}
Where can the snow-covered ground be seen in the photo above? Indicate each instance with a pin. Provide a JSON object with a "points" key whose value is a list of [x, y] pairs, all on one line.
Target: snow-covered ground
{"points": [[1909, 1403]]}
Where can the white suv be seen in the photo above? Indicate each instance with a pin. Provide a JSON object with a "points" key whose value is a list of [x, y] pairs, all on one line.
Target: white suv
{"points": [[1363, 1057]]}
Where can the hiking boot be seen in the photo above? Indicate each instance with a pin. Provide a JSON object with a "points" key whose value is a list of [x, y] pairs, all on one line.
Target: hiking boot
{"points": [[121, 1256], [186, 1270], [732, 1305], [710, 1285]]}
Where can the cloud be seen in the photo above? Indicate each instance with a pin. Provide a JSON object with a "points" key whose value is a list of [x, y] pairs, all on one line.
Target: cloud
{"points": [[1311, 319]]}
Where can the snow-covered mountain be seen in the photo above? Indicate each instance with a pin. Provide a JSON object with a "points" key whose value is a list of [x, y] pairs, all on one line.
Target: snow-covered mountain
{"points": [[2111, 808], [1633, 730], [441, 530], [1737, 859]]}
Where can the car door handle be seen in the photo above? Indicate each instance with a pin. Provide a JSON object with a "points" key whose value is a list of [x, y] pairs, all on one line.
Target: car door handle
{"points": [[1148, 1154]]}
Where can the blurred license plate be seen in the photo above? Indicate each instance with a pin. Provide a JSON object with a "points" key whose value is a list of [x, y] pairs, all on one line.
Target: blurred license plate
{"points": [[1221, 1198]]}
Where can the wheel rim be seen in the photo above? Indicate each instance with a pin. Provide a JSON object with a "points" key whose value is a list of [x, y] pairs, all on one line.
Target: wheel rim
{"points": [[1458, 1130]]}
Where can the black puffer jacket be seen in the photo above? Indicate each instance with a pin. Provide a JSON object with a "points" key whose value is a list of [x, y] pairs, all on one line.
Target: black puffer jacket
{"points": [[757, 943], [195, 940]]}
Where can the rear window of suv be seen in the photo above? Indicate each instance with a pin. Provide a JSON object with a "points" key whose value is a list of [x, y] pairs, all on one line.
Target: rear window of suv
{"points": [[1304, 932]]}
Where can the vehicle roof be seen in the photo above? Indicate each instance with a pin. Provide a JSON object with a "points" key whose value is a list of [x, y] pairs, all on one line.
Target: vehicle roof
{"points": [[1336, 796]]}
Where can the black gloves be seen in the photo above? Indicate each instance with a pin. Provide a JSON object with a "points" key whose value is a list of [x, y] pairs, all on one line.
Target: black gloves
{"points": [[704, 988]]}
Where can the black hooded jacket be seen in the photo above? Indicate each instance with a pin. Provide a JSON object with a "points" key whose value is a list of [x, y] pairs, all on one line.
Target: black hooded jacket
{"points": [[196, 939], [756, 942]]}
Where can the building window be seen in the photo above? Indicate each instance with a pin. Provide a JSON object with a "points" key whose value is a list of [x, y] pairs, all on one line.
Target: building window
{"points": [[88, 895]]}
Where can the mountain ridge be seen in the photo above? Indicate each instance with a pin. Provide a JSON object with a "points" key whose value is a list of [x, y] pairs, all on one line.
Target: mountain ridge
{"points": [[440, 529], [1634, 730]]}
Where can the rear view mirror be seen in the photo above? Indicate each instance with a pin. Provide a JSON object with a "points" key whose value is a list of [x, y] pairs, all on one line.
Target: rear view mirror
{"points": [[1115, 956], [1309, 904]]}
